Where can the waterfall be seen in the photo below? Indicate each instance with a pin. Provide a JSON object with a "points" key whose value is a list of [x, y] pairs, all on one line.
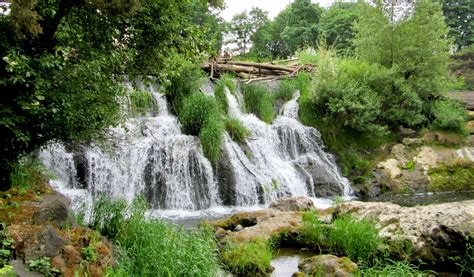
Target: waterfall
{"points": [[149, 155]]}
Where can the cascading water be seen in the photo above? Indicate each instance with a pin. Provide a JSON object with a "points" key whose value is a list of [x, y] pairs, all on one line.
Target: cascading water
{"points": [[150, 156]]}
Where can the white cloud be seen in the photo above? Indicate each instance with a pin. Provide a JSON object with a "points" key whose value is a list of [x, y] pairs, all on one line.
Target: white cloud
{"points": [[272, 6]]}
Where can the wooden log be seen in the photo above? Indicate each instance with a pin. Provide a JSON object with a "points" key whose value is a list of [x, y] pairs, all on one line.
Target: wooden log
{"points": [[262, 65]]}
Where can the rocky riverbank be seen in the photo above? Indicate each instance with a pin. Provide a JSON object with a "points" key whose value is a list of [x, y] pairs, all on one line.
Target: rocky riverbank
{"points": [[438, 234]]}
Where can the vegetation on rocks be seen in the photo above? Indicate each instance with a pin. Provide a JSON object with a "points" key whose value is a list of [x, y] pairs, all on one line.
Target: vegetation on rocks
{"points": [[249, 257], [237, 131], [141, 102], [457, 176], [259, 101]]}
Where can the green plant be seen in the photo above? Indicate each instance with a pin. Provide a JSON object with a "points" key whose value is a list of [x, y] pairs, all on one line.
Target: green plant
{"points": [[89, 253], [26, 173], [410, 166], [357, 239], [140, 102], [107, 216], [456, 176], [43, 265], [211, 136], [7, 271], [237, 131], [448, 115], [225, 81], [247, 258], [389, 268], [259, 101], [197, 109], [466, 263], [5, 246], [313, 232], [285, 90]]}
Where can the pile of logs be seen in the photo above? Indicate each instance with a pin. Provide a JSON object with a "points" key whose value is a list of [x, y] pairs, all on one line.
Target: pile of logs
{"points": [[252, 71]]}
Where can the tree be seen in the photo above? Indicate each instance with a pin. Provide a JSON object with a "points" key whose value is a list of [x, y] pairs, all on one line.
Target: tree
{"points": [[414, 47], [459, 17], [59, 59], [244, 25], [337, 26]]}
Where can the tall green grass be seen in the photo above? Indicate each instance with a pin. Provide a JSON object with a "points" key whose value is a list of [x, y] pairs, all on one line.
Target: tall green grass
{"points": [[211, 136], [27, 172], [313, 231], [259, 101], [224, 81], [286, 89], [237, 131], [140, 102], [389, 268], [153, 247]]}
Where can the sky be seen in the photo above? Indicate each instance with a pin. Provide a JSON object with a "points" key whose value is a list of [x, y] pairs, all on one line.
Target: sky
{"points": [[272, 6]]}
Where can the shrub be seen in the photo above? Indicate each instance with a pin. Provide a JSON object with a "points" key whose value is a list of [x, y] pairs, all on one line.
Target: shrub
{"points": [[197, 109], [245, 258], [140, 102], [44, 266], [221, 98], [357, 239], [26, 173], [448, 115], [259, 101], [237, 131], [211, 137], [182, 84]]}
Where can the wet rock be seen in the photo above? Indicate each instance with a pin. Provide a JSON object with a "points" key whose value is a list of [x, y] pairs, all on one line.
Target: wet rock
{"points": [[54, 210], [433, 231], [34, 242], [260, 225], [328, 266], [292, 203]]}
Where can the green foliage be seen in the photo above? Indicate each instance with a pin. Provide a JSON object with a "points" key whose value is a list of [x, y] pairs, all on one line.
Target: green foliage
{"points": [[154, 247], [259, 101], [410, 166], [286, 89], [43, 265], [244, 25], [211, 136], [313, 232], [458, 16], [197, 109], [89, 253], [457, 176], [7, 271], [393, 268], [141, 102], [337, 26], [6, 249], [448, 115], [356, 239], [107, 216], [225, 81], [247, 258], [237, 131], [25, 173]]}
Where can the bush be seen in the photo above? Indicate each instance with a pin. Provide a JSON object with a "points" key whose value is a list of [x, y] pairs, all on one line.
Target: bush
{"points": [[237, 131], [197, 109], [448, 115], [27, 173], [249, 257], [107, 216], [154, 247], [286, 89], [211, 137], [259, 101], [182, 84], [140, 102], [356, 239]]}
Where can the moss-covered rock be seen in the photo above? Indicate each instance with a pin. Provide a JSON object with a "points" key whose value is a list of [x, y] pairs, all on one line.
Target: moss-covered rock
{"points": [[328, 265], [456, 176]]}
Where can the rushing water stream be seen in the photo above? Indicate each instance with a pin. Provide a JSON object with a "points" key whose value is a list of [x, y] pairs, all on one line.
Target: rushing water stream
{"points": [[150, 156]]}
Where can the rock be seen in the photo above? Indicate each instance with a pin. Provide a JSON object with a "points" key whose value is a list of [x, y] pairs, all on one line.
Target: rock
{"points": [[429, 157], [238, 228], [293, 203], [399, 151], [412, 141], [407, 131], [260, 225], [22, 270], [54, 210], [34, 242], [435, 231], [391, 166], [328, 266], [470, 127]]}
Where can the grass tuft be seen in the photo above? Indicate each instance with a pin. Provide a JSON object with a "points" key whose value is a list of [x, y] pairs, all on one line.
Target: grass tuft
{"points": [[259, 101], [246, 258], [211, 136], [141, 102], [237, 131]]}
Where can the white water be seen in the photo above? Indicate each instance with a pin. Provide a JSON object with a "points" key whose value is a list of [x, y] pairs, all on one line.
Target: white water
{"points": [[150, 156]]}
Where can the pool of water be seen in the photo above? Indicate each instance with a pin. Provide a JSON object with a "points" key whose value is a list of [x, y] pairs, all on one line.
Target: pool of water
{"points": [[286, 261]]}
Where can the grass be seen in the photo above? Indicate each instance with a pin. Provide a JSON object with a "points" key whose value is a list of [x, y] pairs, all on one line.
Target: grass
{"points": [[237, 131], [286, 90], [389, 268], [259, 101], [141, 102], [313, 232], [356, 239], [154, 247], [211, 136], [245, 258], [27, 173]]}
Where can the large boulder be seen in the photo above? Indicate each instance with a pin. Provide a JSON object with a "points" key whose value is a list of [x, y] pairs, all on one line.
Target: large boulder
{"points": [[292, 203], [430, 233], [53, 210], [328, 266]]}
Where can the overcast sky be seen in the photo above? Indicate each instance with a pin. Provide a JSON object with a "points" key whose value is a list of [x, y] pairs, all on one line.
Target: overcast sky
{"points": [[272, 6]]}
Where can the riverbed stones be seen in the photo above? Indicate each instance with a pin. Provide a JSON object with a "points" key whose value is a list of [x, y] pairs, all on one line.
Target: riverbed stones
{"points": [[328, 266], [293, 203], [431, 232]]}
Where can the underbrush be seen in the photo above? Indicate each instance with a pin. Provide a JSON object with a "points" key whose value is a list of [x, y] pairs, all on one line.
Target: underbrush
{"points": [[389, 268], [140, 102], [153, 247]]}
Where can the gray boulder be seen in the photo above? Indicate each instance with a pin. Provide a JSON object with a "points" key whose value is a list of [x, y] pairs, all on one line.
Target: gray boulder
{"points": [[328, 266], [292, 203]]}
